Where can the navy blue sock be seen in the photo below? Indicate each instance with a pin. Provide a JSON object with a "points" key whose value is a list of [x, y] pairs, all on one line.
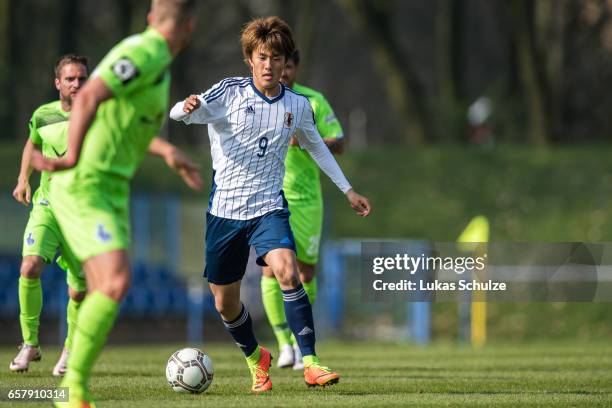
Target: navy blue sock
{"points": [[299, 317], [241, 329]]}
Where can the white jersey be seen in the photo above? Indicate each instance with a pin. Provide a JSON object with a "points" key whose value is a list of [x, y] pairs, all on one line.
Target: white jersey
{"points": [[249, 137]]}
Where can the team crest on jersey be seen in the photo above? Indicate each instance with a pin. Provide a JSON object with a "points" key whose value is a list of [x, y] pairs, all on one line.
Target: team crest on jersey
{"points": [[29, 240], [288, 119], [102, 234], [125, 70]]}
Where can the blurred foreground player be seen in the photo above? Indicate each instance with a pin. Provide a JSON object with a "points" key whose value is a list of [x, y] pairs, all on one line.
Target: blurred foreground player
{"points": [[250, 122], [113, 122], [302, 188], [42, 237]]}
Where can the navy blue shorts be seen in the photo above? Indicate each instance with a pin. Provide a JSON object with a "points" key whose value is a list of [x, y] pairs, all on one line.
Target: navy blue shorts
{"points": [[228, 243]]}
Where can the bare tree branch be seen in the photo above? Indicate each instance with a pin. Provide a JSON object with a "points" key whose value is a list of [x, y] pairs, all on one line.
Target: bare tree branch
{"points": [[401, 84]]}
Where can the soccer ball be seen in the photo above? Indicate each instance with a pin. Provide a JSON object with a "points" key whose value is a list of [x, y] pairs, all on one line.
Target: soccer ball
{"points": [[189, 370]]}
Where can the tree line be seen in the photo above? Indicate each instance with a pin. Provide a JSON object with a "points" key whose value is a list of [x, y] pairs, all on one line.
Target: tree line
{"points": [[412, 67]]}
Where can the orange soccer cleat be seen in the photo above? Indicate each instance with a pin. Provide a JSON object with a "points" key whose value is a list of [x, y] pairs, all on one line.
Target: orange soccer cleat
{"points": [[260, 374], [317, 375]]}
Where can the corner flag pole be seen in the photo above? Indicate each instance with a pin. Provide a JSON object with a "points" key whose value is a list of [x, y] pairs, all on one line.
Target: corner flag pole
{"points": [[477, 231]]}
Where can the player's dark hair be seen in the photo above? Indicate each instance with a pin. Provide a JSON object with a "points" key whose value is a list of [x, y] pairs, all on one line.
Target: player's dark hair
{"points": [[272, 33], [70, 59], [295, 57]]}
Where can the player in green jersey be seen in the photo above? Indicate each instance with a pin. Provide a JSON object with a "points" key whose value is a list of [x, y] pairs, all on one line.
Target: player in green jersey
{"points": [[42, 237], [302, 188], [113, 123]]}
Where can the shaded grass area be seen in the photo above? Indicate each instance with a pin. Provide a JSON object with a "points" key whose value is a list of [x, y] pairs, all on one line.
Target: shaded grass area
{"points": [[373, 374]]}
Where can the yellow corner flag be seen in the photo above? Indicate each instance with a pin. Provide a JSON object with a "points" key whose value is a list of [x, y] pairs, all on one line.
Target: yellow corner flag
{"points": [[477, 231]]}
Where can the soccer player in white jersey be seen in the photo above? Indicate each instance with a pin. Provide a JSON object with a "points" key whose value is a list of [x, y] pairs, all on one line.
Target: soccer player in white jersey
{"points": [[250, 122]]}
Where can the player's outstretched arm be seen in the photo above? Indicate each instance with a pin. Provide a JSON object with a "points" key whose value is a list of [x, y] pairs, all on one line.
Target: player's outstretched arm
{"points": [[22, 192], [313, 143], [84, 108], [178, 161], [185, 108]]}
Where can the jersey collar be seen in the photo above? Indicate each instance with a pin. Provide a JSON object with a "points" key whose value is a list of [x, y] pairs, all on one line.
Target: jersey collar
{"points": [[264, 97]]}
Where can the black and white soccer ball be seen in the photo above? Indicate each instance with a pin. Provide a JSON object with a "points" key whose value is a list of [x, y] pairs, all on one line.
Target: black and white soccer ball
{"points": [[189, 370]]}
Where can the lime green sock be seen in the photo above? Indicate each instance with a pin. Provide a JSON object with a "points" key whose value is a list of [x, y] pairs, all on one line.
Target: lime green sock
{"points": [[30, 306], [310, 360], [272, 298], [94, 321], [72, 312], [311, 289], [254, 357]]}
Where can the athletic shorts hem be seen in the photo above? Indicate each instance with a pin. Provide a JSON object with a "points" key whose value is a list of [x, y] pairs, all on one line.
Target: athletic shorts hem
{"points": [[35, 253], [222, 283], [99, 251], [260, 261]]}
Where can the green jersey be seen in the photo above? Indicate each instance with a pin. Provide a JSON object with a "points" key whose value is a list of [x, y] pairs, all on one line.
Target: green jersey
{"points": [[42, 236], [48, 128], [136, 71], [302, 180], [91, 201]]}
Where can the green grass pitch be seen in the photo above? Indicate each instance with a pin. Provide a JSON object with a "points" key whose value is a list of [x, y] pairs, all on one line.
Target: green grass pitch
{"points": [[373, 375]]}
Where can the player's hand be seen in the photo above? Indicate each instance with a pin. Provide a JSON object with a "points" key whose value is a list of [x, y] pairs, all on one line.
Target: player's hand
{"points": [[360, 204], [191, 103], [22, 192], [185, 167]]}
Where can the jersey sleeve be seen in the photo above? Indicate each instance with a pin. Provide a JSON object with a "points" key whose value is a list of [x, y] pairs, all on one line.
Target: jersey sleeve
{"points": [[212, 107], [129, 66], [310, 139], [33, 129], [327, 123]]}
